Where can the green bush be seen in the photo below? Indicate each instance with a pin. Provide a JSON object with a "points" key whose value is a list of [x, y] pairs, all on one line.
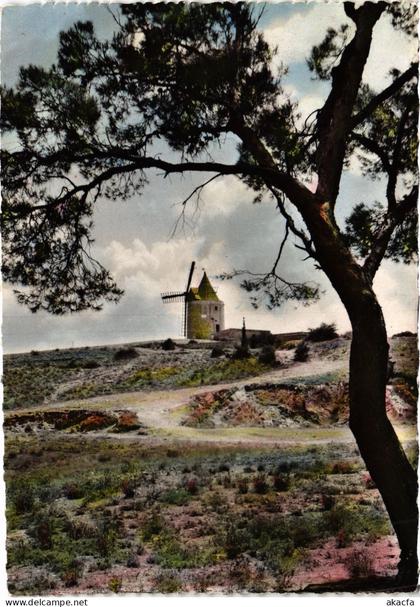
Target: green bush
{"points": [[267, 356], [168, 344], [115, 584], [170, 554], [216, 352], [22, 498], [324, 332], [301, 352], [281, 482], [43, 530], [72, 573], [232, 539], [153, 525], [128, 487], [73, 490], [260, 484], [241, 353], [359, 564], [242, 485], [176, 497], [167, 583], [125, 354]]}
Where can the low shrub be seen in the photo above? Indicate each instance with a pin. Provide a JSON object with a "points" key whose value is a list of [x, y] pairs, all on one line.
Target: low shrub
{"points": [[284, 570], [192, 486], [405, 334], [351, 523], [167, 583], [128, 487], [133, 560], [221, 371], [106, 541], [72, 573], [217, 352], [176, 497], [359, 564], [125, 354], [153, 525], [267, 356], [259, 340], [342, 467], [324, 332], [241, 353], [23, 499], [168, 344], [127, 422], [327, 501], [171, 554], [78, 529], [234, 540], [70, 578], [115, 584], [96, 421], [242, 485], [281, 482], [43, 530], [260, 484], [301, 352], [89, 364], [342, 538], [73, 491], [223, 468]]}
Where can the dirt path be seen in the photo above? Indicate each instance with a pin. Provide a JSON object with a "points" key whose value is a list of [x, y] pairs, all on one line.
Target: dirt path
{"points": [[153, 407], [156, 409], [161, 411]]}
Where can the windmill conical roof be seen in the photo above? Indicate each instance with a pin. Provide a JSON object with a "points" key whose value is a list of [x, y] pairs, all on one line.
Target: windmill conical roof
{"points": [[206, 291]]}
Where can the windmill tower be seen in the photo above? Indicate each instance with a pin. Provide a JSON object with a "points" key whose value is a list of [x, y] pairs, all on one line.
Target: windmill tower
{"points": [[203, 311]]}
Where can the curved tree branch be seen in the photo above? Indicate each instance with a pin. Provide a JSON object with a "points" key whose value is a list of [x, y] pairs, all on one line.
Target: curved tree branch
{"points": [[373, 147], [384, 95], [391, 221], [334, 120]]}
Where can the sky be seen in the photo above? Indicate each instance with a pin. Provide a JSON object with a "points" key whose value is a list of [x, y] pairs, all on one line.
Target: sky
{"points": [[133, 238]]}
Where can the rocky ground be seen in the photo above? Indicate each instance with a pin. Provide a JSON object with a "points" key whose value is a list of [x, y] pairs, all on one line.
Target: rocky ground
{"points": [[136, 469]]}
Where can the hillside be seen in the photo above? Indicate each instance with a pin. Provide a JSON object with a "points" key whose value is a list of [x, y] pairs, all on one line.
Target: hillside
{"points": [[134, 468]]}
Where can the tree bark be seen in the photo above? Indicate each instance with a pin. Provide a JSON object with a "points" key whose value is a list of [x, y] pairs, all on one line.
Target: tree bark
{"points": [[377, 441], [375, 436]]}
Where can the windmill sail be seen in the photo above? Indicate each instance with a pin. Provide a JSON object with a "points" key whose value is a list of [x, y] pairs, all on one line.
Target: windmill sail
{"points": [[180, 296], [185, 311]]}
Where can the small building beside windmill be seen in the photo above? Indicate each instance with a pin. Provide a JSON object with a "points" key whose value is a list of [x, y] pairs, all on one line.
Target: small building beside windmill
{"points": [[205, 311]]}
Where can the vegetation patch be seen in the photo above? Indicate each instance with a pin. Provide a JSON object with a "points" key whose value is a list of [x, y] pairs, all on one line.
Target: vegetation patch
{"points": [[219, 372]]}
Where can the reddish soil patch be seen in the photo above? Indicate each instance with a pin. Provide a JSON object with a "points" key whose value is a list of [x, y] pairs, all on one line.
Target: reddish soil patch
{"points": [[127, 422], [81, 420], [285, 405], [329, 564]]}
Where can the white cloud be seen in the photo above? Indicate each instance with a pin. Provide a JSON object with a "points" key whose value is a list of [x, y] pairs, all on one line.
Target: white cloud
{"points": [[397, 291], [295, 36], [307, 103], [390, 48]]}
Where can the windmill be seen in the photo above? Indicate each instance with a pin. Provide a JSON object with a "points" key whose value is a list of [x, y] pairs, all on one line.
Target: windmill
{"points": [[181, 296]]}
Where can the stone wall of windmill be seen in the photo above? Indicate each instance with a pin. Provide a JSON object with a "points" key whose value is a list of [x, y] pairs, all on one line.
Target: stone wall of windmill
{"points": [[205, 311]]}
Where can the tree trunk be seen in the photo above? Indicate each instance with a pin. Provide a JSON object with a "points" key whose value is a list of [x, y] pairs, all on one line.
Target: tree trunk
{"points": [[374, 434], [377, 441]]}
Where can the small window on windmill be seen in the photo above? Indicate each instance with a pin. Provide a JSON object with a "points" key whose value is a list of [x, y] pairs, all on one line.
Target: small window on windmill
{"points": [[215, 307]]}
